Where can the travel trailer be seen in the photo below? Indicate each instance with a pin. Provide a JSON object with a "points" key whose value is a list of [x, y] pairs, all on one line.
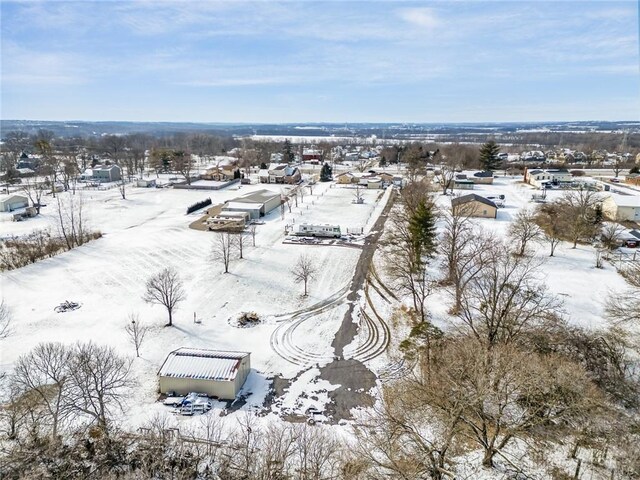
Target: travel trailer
{"points": [[307, 230]]}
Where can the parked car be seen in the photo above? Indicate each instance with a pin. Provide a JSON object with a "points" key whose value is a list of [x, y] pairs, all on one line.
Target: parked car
{"points": [[173, 401]]}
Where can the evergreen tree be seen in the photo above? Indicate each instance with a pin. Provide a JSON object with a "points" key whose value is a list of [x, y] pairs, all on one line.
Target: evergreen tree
{"points": [[166, 161], [422, 227], [263, 166], [326, 173], [288, 156], [383, 162], [489, 156]]}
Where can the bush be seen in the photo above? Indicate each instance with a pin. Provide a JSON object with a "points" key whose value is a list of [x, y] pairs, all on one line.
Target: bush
{"points": [[198, 205], [577, 173], [18, 252]]}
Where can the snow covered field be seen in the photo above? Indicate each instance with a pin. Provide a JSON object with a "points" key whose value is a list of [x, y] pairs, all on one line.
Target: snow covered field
{"points": [[149, 231], [570, 274]]}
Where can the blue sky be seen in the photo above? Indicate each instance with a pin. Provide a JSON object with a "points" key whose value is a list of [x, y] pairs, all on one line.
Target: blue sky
{"points": [[357, 61]]}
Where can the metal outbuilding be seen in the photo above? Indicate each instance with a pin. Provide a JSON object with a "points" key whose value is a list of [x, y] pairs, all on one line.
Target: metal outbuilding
{"points": [[217, 373], [9, 203]]}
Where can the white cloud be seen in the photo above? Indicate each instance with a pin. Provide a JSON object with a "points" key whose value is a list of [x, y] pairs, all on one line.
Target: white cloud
{"points": [[421, 17]]}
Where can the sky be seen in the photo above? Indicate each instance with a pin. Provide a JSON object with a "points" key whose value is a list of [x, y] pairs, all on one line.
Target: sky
{"points": [[287, 62]]}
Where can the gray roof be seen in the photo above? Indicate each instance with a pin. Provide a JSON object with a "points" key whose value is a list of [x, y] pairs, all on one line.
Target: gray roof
{"points": [[470, 198], [202, 364], [487, 174], [260, 196]]}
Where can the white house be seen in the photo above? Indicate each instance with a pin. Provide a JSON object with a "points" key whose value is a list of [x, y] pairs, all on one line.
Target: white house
{"points": [[538, 178], [105, 173], [13, 201], [217, 373], [622, 207]]}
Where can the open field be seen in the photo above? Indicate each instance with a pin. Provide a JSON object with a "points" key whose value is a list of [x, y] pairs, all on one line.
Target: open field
{"points": [[149, 231]]}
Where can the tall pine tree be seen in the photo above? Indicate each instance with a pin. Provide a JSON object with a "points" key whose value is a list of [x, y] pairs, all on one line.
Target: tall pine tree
{"points": [[326, 173], [422, 227], [288, 156], [489, 156]]}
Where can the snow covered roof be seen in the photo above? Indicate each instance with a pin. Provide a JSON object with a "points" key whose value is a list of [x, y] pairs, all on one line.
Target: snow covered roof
{"points": [[626, 200], [244, 205], [11, 195], [202, 364], [259, 196], [471, 198]]}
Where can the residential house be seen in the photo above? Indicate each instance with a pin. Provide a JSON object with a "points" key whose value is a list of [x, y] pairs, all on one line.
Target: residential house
{"points": [[311, 155], [221, 173], [474, 205], [106, 173], [622, 207], [280, 173], [539, 178]]}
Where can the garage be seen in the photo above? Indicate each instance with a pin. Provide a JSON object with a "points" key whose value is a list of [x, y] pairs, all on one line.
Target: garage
{"points": [[217, 373], [9, 203]]}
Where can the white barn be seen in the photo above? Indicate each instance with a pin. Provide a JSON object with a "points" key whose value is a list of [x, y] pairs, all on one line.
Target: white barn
{"points": [[11, 202], [622, 207], [217, 373]]}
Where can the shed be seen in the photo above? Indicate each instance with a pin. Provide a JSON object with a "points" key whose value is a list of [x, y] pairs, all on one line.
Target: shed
{"points": [[257, 204], [217, 373], [146, 182], [622, 207], [485, 177], [474, 206], [11, 202]]}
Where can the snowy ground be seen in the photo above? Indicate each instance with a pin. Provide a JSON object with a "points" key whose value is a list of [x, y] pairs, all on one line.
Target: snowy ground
{"points": [[571, 273], [149, 231]]}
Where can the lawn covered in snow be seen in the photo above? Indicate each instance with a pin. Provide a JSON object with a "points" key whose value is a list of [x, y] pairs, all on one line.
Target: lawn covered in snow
{"points": [[149, 231]]}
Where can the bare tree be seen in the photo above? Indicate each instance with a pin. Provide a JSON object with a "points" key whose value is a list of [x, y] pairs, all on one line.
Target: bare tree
{"points": [[183, 164], [524, 230], [624, 307], [505, 298], [221, 249], [34, 189], [5, 320], [71, 221], [550, 219], [611, 233], [472, 255], [578, 208], [484, 388], [136, 331], [447, 173], [239, 241], [114, 146], [253, 231], [165, 288], [304, 270], [45, 372], [456, 234], [101, 379]]}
